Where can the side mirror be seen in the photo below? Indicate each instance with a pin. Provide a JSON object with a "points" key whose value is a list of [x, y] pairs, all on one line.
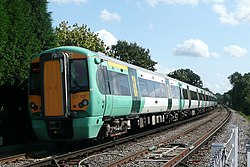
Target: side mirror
{"points": [[98, 60]]}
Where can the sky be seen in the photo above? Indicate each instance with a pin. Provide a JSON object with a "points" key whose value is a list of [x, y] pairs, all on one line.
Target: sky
{"points": [[210, 37]]}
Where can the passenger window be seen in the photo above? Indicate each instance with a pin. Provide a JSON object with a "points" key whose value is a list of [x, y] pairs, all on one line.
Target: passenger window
{"points": [[160, 90], [185, 93], [143, 88], [168, 91], [120, 84], [175, 92], [163, 90], [151, 89]]}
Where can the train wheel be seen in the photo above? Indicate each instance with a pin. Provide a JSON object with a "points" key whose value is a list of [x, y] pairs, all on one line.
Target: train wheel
{"points": [[102, 135]]}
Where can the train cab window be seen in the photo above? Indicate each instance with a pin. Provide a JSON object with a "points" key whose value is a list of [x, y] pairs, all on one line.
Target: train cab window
{"points": [[120, 84], [79, 75], [35, 78]]}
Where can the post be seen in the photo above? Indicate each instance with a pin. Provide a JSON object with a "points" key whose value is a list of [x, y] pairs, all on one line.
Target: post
{"points": [[227, 153], [233, 157], [248, 152], [216, 150]]}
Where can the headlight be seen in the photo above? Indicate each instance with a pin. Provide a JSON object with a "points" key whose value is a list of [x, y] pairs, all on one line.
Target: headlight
{"points": [[80, 105], [85, 102], [33, 106]]}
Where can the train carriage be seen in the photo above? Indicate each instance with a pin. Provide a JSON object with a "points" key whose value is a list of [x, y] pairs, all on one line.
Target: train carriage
{"points": [[76, 94], [153, 92]]}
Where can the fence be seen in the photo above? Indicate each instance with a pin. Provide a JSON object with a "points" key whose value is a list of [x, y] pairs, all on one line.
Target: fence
{"points": [[226, 154]]}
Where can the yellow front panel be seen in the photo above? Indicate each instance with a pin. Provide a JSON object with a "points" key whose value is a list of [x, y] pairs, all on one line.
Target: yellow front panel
{"points": [[77, 98], [53, 95], [36, 100]]}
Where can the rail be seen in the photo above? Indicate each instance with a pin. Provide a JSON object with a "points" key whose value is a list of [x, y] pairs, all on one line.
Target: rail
{"points": [[179, 157], [56, 159]]}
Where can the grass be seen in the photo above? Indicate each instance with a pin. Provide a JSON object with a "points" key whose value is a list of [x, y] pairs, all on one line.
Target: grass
{"points": [[244, 115]]}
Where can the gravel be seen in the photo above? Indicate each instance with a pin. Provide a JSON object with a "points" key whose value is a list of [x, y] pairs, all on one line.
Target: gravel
{"points": [[145, 142], [223, 136]]}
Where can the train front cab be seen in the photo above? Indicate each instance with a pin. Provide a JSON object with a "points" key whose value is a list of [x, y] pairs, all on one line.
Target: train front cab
{"points": [[59, 97]]}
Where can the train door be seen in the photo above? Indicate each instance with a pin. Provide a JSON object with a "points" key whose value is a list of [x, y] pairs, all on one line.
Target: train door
{"points": [[54, 85], [182, 100], [169, 96], [202, 99], [108, 97], [136, 100], [198, 97], [189, 97]]}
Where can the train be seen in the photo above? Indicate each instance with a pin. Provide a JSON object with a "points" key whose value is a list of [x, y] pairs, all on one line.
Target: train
{"points": [[76, 94]]}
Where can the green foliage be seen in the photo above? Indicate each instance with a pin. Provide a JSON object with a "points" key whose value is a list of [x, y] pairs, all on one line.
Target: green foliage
{"points": [[240, 93], [188, 76], [227, 99], [78, 36], [235, 78], [17, 49], [219, 98], [23, 30], [244, 115], [4, 21], [133, 54], [41, 24]]}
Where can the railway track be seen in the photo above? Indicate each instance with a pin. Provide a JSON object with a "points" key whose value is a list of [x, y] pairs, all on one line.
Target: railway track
{"points": [[85, 155], [19, 160], [176, 149]]}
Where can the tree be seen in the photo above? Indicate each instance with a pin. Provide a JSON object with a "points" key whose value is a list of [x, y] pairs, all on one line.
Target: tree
{"points": [[4, 21], [240, 93], [235, 78], [227, 99], [133, 54], [219, 98], [20, 45], [25, 30], [188, 76], [78, 36], [41, 24]]}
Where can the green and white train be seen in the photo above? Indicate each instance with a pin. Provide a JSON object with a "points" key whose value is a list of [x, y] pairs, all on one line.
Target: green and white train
{"points": [[75, 94]]}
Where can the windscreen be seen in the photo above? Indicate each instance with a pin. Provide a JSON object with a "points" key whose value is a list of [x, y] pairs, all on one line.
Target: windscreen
{"points": [[79, 75], [35, 79]]}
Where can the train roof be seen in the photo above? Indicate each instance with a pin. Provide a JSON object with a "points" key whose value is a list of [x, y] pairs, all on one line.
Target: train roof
{"points": [[105, 57], [76, 49], [90, 53]]}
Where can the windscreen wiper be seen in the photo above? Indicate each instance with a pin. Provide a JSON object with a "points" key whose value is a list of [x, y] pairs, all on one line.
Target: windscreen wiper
{"points": [[76, 84]]}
